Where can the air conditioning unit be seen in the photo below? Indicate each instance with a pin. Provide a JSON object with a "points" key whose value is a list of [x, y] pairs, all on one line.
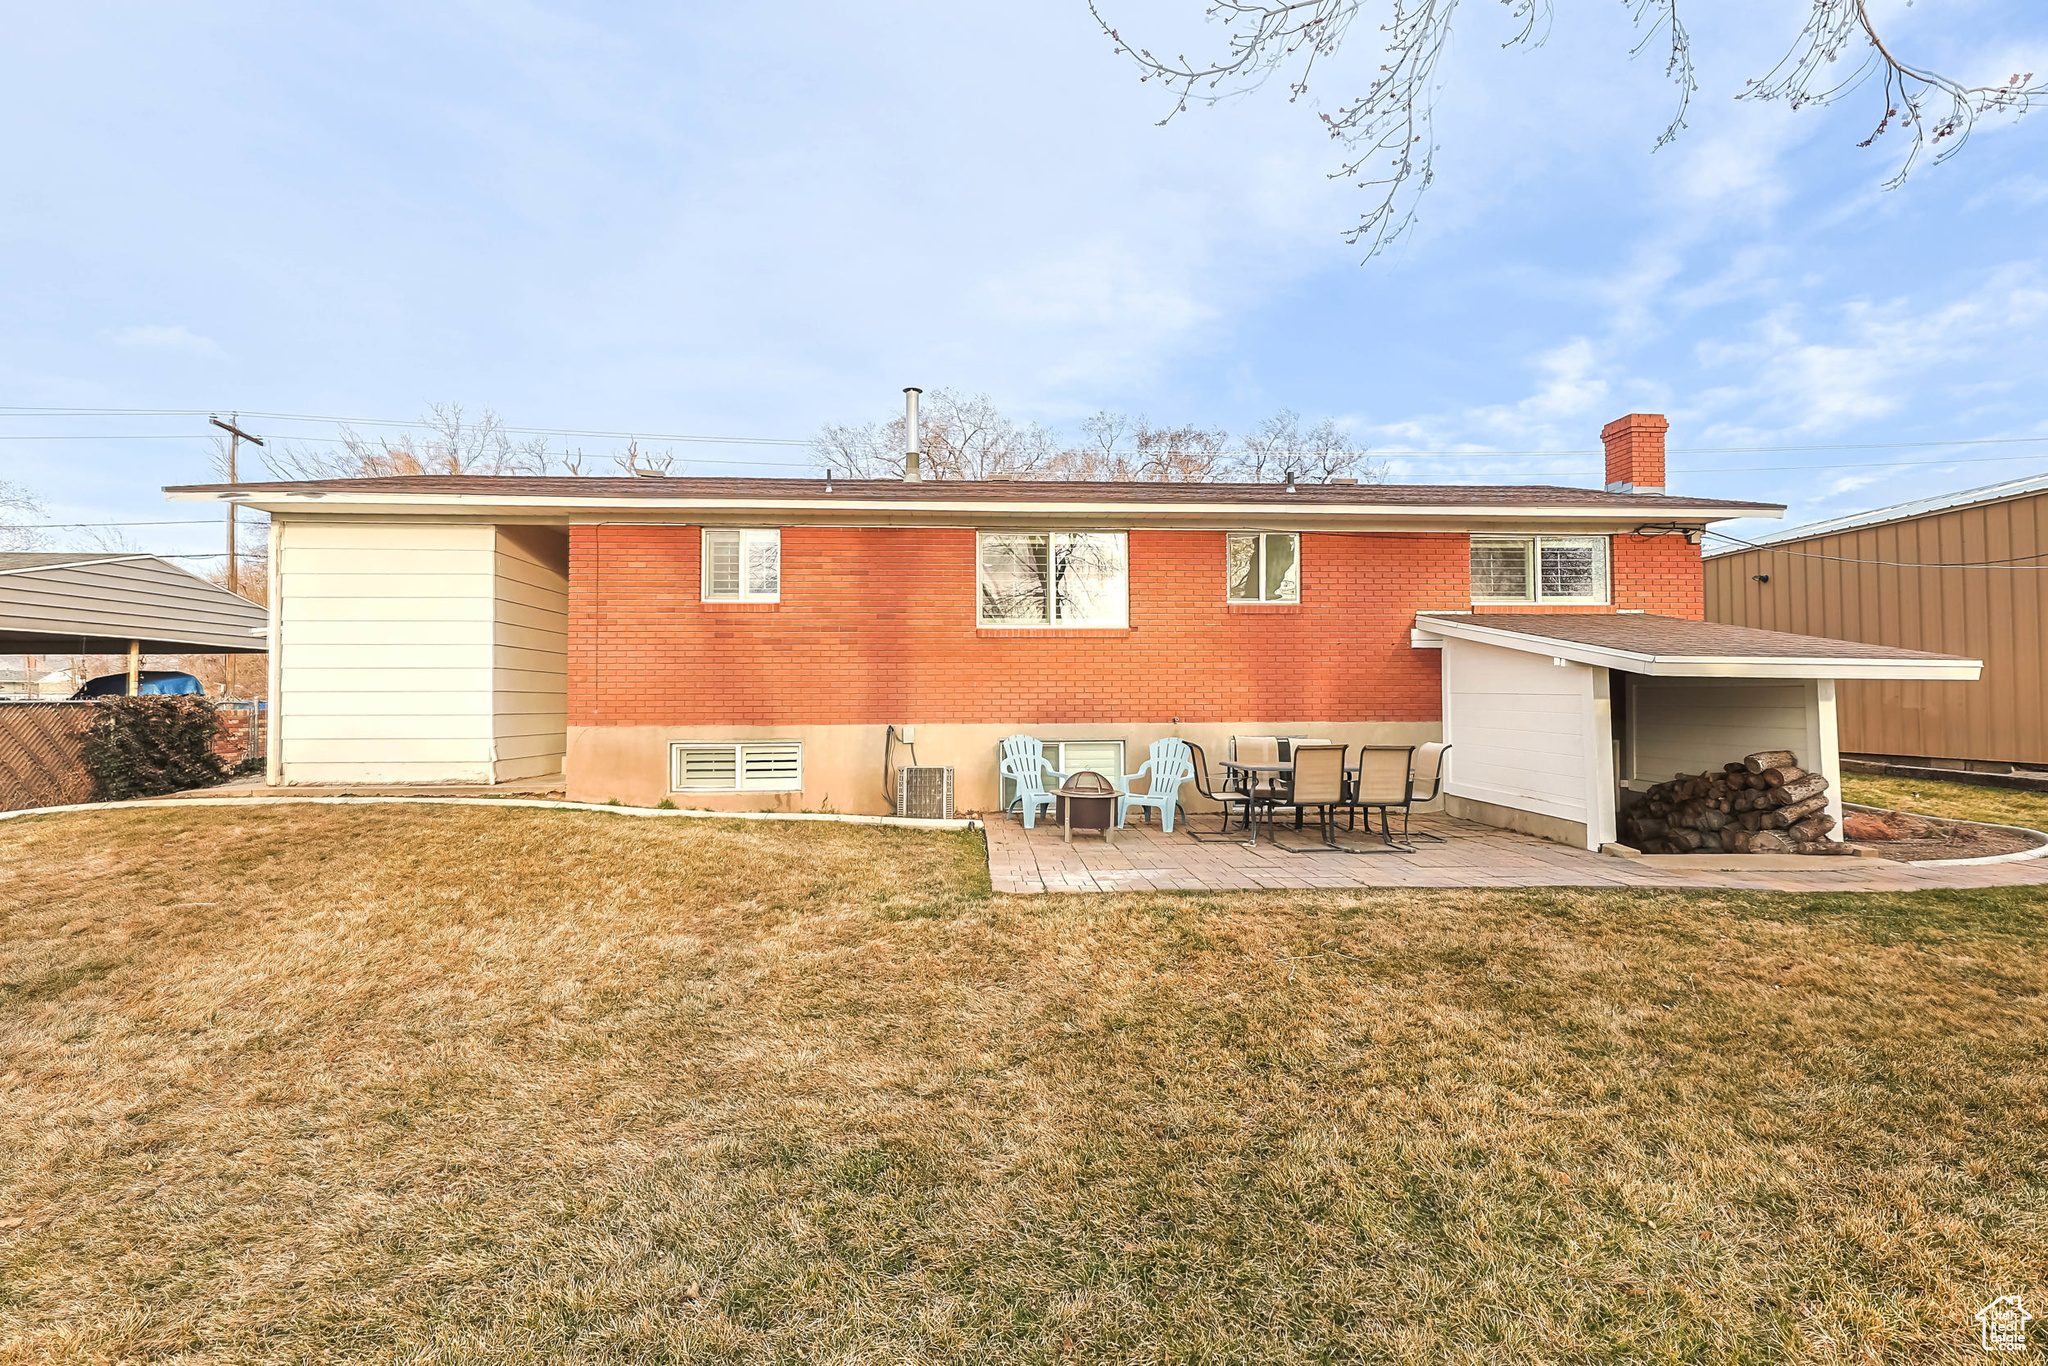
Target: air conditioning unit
{"points": [[925, 792]]}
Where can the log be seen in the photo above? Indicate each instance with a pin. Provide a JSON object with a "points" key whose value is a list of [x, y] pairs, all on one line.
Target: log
{"points": [[1770, 758], [1650, 828], [1713, 818], [1735, 841], [1798, 811], [1752, 820], [1793, 793], [1778, 777], [1710, 842], [1814, 827], [1825, 847], [1683, 841], [1770, 842]]}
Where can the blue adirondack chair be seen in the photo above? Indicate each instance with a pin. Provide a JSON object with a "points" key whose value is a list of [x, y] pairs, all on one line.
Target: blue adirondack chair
{"points": [[1169, 766], [1023, 763]]}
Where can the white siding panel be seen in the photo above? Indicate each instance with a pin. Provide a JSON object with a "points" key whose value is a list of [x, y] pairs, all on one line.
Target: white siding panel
{"points": [[386, 561], [531, 653], [412, 726], [448, 751], [399, 655], [385, 659], [391, 607], [356, 537], [1522, 730], [420, 652], [401, 634], [1686, 725], [474, 589]]}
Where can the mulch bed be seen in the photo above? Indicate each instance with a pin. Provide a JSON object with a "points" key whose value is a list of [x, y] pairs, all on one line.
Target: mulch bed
{"points": [[1905, 838]]}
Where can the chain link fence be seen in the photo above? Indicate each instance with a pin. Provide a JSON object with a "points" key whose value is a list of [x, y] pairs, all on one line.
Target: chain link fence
{"points": [[42, 754]]}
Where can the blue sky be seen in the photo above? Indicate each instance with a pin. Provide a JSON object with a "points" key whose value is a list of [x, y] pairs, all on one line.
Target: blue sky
{"points": [[736, 221]]}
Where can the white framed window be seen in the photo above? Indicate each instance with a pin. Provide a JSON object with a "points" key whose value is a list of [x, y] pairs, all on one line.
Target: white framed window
{"points": [[742, 566], [1533, 569], [736, 766], [1052, 578], [1072, 756], [1263, 566]]}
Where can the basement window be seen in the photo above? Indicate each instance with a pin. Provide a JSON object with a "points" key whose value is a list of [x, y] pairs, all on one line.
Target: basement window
{"points": [[1264, 566], [1539, 569], [738, 766], [742, 566]]}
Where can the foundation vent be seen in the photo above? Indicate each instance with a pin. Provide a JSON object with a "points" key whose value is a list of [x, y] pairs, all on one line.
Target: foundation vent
{"points": [[925, 793]]}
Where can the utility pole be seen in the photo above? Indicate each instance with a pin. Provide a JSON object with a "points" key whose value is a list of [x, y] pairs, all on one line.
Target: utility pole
{"points": [[236, 436]]}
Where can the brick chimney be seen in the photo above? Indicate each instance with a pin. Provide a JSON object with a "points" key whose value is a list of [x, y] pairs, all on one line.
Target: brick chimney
{"points": [[1635, 453]]}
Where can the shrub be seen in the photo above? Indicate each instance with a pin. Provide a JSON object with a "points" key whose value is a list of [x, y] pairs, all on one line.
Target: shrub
{"points": [[148, 746]]}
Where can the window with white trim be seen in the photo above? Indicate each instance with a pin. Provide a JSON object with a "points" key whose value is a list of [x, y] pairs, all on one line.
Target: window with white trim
{"points": [[742, 566], [1052, 578], [1263, 566], [1537, 569], [737, 766]]}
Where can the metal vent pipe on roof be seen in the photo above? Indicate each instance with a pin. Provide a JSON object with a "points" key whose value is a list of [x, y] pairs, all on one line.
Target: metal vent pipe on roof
{"points": [[911, 472]]}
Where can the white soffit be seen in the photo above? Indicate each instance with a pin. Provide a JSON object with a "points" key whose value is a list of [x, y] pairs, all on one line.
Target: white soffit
{"points": [[1699, 666]]}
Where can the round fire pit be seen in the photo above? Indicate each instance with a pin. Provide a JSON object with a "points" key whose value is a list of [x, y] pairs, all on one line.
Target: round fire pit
{"points": [[1087, 802]]}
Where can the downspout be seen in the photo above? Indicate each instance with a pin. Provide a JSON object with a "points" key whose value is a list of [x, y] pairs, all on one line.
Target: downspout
{"points": [[273, 714]]}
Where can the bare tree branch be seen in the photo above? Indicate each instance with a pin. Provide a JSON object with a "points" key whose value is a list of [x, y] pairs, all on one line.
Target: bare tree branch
{"points": [[1387, 132], [16, 502]]}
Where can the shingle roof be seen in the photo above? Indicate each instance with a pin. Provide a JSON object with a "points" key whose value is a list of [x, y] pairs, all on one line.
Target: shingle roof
{"points": [[1006, 491], [1648, 633]]}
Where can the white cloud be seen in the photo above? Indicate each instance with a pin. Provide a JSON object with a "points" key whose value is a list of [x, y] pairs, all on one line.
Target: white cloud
{"points": [[157, 338]]}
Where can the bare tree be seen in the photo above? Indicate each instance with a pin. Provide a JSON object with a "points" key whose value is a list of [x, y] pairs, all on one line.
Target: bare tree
{"points": [[962, 437], [1386, 133], [19, 508], [449, 443], [1127, 449]]}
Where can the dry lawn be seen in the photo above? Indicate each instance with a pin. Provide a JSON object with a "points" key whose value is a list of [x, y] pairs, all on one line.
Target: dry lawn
{"points": [[1952, 801], [429, 1085]]}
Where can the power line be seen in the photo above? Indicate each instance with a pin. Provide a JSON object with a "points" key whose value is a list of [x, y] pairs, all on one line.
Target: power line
{"points": [[596, 433], [2013, 563], [59, 526]]}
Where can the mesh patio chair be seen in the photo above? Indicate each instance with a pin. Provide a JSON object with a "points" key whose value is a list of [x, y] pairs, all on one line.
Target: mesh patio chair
{"points": [[1384, 781], [1316, 783], [1023, 763], [1231, 800], [1429, 772], [1169, 766], [1257, 749]]}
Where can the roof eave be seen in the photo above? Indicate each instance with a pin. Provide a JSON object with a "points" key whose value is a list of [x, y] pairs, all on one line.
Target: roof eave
{"points": [[336, 502], [1706, 666]]}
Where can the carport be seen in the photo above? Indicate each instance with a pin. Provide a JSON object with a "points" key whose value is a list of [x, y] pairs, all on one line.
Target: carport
{"points": [[73, 602], [1553, 717]]}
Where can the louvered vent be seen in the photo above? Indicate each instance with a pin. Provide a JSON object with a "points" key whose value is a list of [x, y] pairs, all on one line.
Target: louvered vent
{"points": [[925, 793], [771, 766]]}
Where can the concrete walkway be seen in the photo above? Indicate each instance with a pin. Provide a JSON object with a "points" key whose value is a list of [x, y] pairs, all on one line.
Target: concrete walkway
{"points": [[1144, 859]]}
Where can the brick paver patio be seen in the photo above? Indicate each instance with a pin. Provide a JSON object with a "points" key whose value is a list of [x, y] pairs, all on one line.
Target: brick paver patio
{"points": [[1145, 859]]}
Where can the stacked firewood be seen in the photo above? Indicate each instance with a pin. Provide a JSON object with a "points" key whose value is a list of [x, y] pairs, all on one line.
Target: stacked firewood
{"points": [[1766, 804]]}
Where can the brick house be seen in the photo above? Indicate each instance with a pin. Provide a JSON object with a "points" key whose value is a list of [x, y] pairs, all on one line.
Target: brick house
{"points": [[763, 643]]}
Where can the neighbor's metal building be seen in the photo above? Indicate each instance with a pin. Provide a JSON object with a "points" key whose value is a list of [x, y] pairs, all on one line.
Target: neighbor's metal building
{"points": [[78, 602], [1964, 574]]}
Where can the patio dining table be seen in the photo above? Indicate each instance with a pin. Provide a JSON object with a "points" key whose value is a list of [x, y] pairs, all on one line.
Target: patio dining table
{"points": [[1246, 779]]}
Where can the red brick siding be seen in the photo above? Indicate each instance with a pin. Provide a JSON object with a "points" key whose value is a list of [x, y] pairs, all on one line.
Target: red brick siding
{"points": [[877, 625]]}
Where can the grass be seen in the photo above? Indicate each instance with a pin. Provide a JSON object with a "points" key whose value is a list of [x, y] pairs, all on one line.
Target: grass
{"points": [[437, 1085], [1956, 801]]}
